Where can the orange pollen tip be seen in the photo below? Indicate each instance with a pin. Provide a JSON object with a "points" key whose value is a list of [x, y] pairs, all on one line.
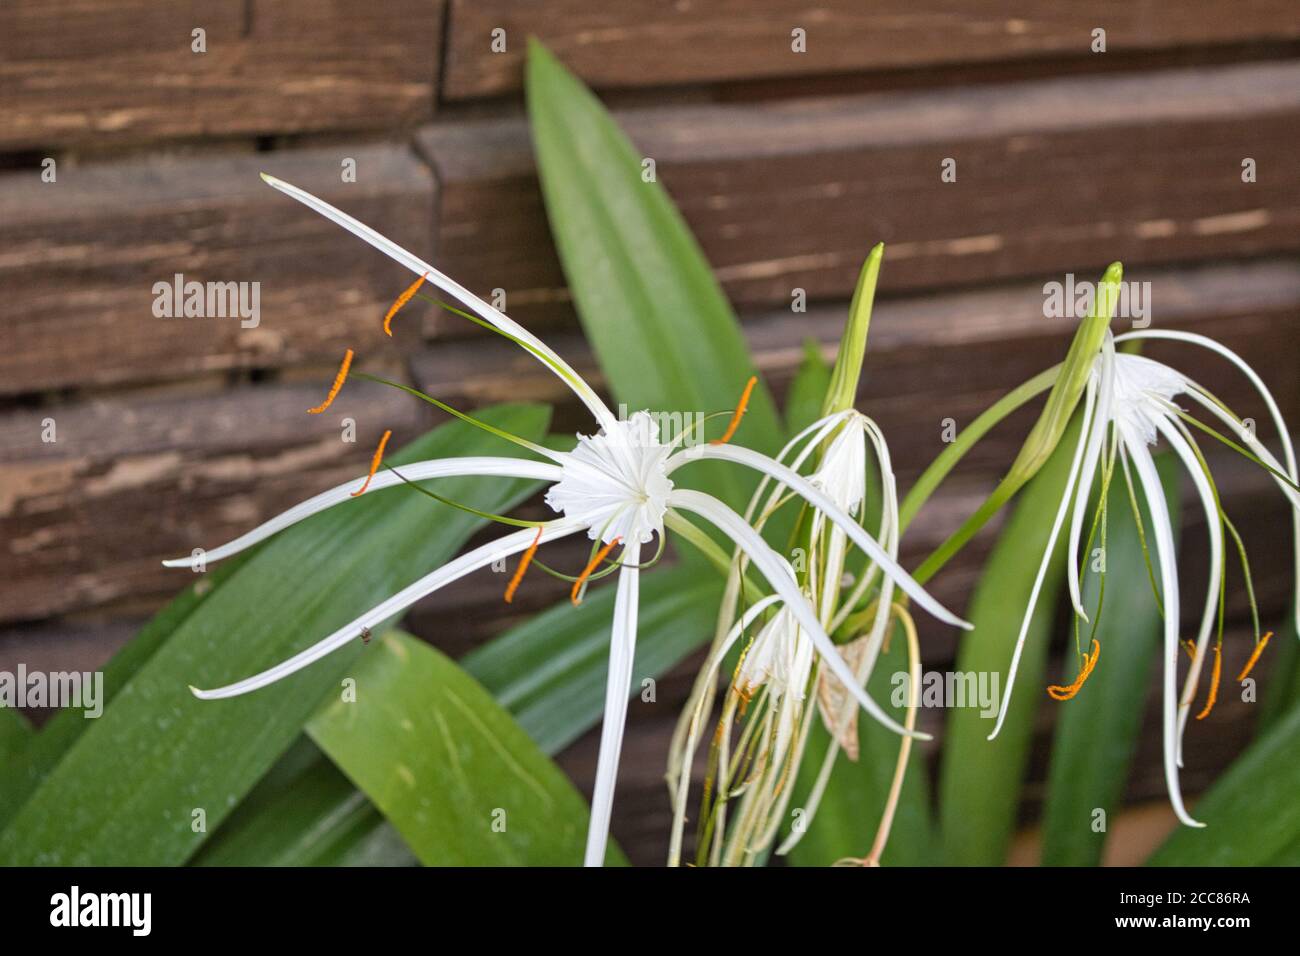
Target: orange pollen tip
{"points": [[339, 379], [402, 299], [1058, 692], [586, 572], [1214, 684], [1190, 647], [738, 413], [374, 464], [1250, 664], [523, 566]]}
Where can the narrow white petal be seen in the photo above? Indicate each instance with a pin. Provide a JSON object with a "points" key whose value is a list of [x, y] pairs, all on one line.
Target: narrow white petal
{"points": [[1165, 555], [1105, 406], [1084, 479], [421, 268], [782, 579], [820, 501], [416, 471], [453, 570], [1183, 449], [622, 650]]}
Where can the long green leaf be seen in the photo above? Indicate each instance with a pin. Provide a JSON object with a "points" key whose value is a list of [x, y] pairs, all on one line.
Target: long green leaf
{"points": [[128, 791], [15, 734], [453, 772], [980, 779], [1251, 814], [662, 330], [1097, 731], [305, 812], [803, 403]]}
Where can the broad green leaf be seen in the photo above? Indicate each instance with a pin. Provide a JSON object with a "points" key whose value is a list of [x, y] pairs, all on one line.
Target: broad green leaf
{"points": [[1097, 731], [803, 403], [128, 790], [453, 772], [850, 810], [1251, 814], [661, 328], [305, 812], [15, 734], [549, 671], [45, 749], [980, 779]]}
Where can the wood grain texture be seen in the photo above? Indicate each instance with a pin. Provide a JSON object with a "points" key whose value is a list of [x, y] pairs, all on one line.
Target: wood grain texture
{"points": [[631, 43], [86, 519], [792, 195], [98, 72], [79, 259]]}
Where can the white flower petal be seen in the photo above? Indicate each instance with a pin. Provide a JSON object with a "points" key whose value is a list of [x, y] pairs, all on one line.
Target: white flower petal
{"points": [[622, 651], [452, 571], [416, 471], [782, 579]]}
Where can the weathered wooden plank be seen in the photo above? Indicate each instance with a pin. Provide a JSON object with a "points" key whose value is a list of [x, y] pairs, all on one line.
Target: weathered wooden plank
{"points": [[79, 259], [96, 72], [86, 518], [791, 195], [624, 43]]}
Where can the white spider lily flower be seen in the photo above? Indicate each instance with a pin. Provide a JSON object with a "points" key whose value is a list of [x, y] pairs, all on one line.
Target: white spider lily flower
{"points": [[780, 657], [1128, 406], [615, 485]]}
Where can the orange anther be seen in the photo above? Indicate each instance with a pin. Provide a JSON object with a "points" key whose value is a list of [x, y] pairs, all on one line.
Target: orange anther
{"points": [[1057, 692], [1214, 684], [402, 299], [339, 379], [1250, 664], [586, 572], [374, 464], [523, 566], [738, 413]]}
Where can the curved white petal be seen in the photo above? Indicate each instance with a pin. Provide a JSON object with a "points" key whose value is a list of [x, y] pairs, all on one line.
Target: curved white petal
{"points": [[452, 571], [820, 501], [1083, 478], [1163, 531], [622, 650], [448, 285], [782, 579], [416, 471], [1105, 411], [1183, 449], [1284, 435]]}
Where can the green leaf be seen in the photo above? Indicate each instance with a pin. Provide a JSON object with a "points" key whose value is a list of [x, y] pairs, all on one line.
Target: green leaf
{"points": [[45, 749], [15, 734], [127, 789], [1097, 731], [661, 328], [850, 810], [305, 812], [1251, 814], [811, 384], [549, 671], [453, 772], [843, 390], [980, 779]]}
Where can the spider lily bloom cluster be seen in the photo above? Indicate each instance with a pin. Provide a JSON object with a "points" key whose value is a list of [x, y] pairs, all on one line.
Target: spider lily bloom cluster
{"points": [[1129, 405], [617, 487], [778, 672]]}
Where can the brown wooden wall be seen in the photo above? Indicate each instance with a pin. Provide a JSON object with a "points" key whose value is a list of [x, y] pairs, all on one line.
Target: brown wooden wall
{"points": [[788, 167]]}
